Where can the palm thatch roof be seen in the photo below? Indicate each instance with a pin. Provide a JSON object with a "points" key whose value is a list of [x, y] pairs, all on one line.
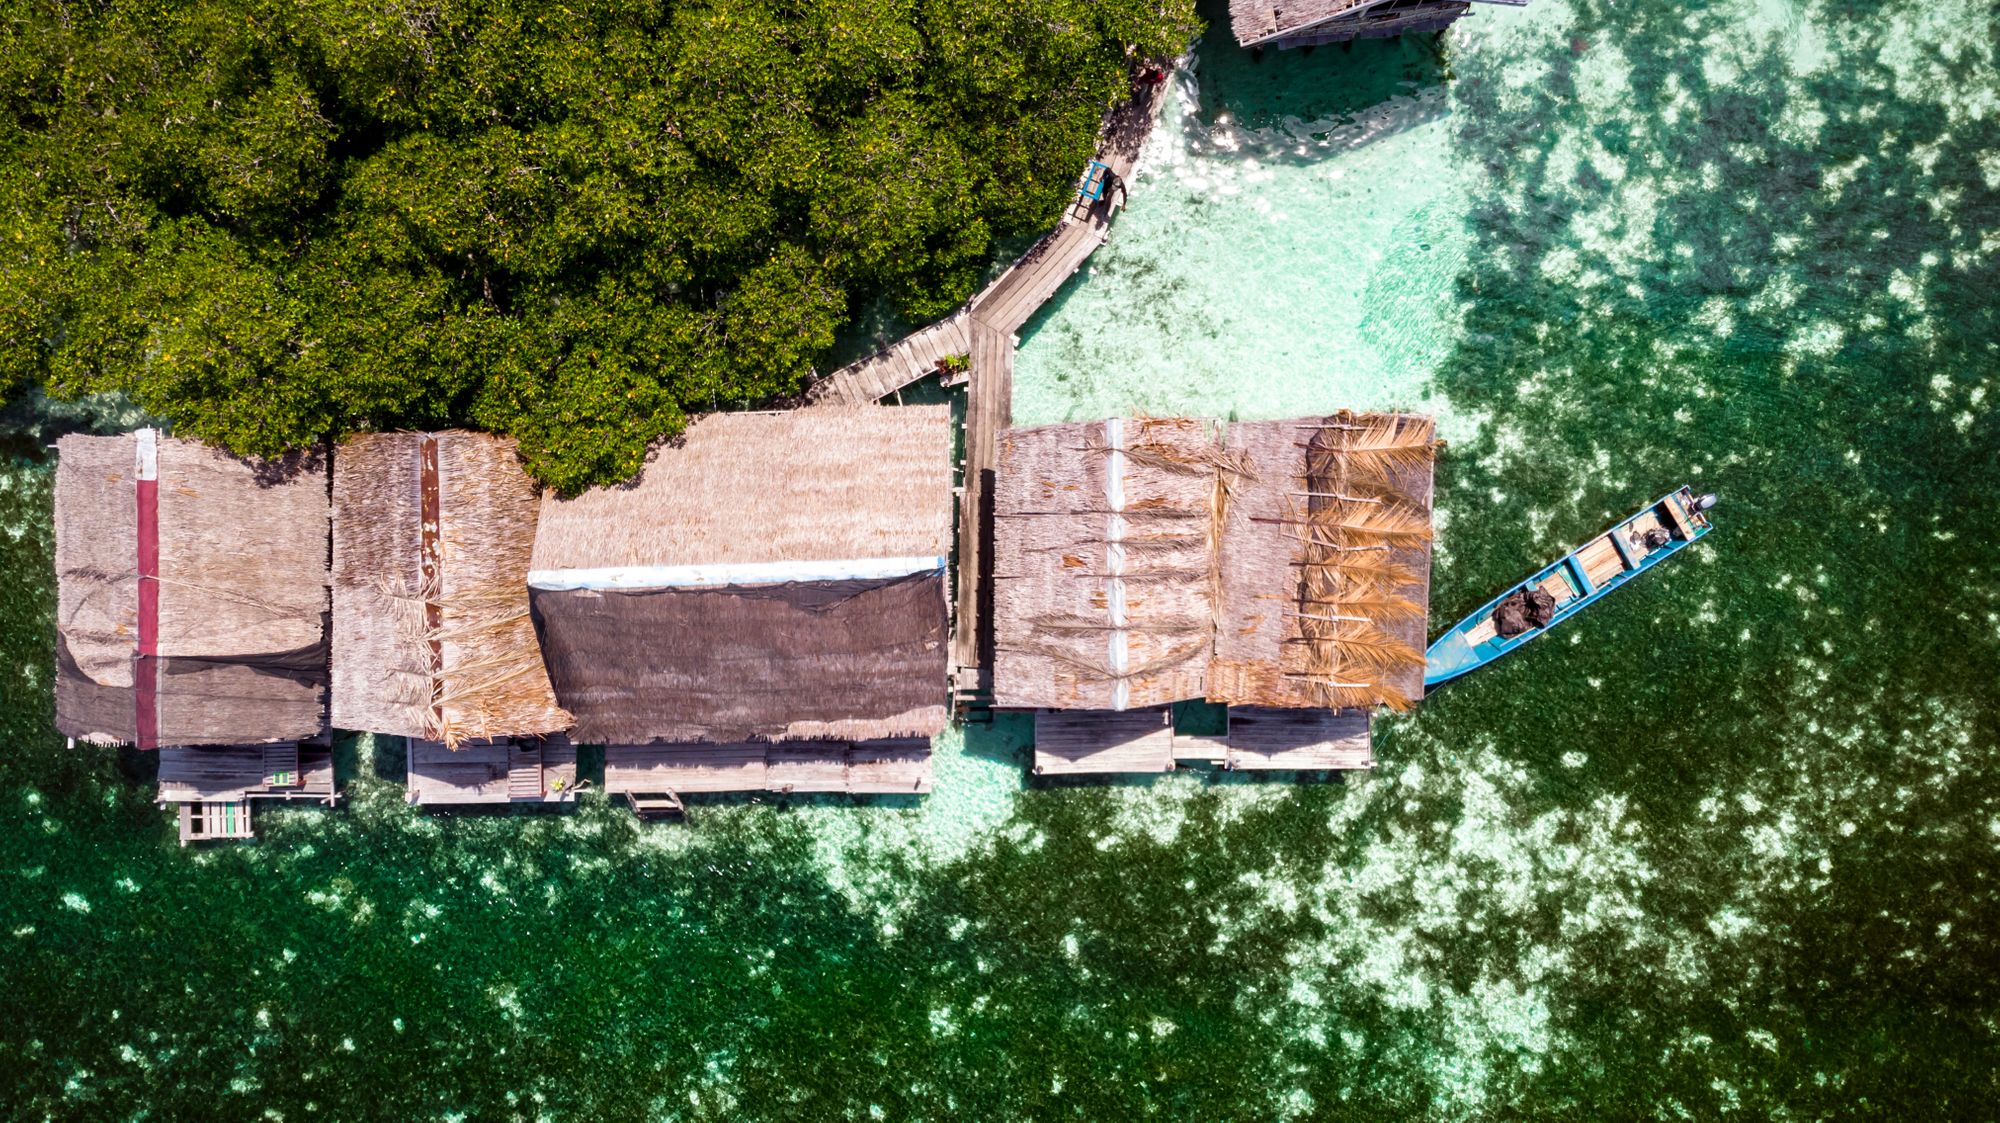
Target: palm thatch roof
{"points": [[1104, 563], [772, 576], [1284, 564], [737, 488], [236, 556], [444, 651]]}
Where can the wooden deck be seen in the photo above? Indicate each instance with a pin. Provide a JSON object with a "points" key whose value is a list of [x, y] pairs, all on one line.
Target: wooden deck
{"points": [[1262, 740], [505, 771], [213, 786], [227, 773], [893, 767], [1097, 742]]}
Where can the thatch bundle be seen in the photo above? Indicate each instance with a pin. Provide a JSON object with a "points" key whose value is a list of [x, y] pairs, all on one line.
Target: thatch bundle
{"points": [[1143, 562], [453, 655], [781, 656], [240, 627]]}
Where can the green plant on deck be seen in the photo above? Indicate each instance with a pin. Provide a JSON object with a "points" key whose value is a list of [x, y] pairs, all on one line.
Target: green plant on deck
{"points": [[277, 222]]}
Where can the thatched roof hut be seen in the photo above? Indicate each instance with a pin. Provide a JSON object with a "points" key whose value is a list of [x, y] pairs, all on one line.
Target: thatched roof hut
{"points": [[1283, 564], [771, 576], [1305, 23], [1104, 563], [432, 636], [191, 594], [1326, 562]]}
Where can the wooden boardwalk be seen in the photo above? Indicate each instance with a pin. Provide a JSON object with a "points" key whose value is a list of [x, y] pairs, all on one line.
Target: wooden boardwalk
{"points": [[214, 786], [889, 370], [984, 330]]}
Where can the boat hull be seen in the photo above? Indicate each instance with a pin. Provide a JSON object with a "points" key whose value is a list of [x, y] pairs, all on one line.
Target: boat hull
{"points": [[1577, 580]]}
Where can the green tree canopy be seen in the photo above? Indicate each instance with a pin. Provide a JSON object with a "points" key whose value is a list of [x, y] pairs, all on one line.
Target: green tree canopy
{"points": [[274, 221]]}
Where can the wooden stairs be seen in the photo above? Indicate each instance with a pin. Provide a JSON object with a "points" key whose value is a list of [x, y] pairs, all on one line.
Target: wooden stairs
{"points": [[656, 805], [201, 822], [281, 765], [524, 771]]}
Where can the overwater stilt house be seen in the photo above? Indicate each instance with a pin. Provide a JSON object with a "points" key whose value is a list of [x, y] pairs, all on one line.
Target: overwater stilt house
{"points": [[1280, 568], [432, 637], [1306, 23], [191, 619], [764, 608]]}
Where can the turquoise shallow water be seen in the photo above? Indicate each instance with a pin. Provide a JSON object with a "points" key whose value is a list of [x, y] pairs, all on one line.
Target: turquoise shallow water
{"points": [[1728, 847]]}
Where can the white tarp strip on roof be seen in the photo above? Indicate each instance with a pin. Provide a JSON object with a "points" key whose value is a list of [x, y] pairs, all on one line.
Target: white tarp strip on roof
{"points": [[714, 576]]}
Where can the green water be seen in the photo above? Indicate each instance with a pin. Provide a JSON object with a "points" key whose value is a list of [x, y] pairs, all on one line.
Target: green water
{"points": [[1727, 847]]}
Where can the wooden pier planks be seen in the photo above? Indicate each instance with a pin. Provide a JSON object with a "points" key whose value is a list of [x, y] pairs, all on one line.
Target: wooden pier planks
{"points": [[984, 330], [1086, 742], [989, 409], [900, 766], [1108, 742], [491, 772], [1029, 283], [1262, 739], [212, 773], [1013, 297], [905, 362]]}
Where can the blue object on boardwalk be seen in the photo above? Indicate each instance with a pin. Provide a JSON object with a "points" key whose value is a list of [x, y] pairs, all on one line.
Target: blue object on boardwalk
{"points": [[1094, 178], [1674, 522]]}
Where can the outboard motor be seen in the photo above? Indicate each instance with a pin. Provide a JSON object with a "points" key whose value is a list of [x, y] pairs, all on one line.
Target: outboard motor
{"points": [[1704, 502]]}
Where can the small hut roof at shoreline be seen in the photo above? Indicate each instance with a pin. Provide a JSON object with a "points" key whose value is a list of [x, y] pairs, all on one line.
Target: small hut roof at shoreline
{"points": [[1140, 562], [767, 488], [191, 593], [770, 577], [1300, 23], [445, 650]]}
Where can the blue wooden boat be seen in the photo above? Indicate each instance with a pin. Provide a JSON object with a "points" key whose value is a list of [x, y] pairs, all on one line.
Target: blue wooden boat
{"points": [[1665, 527]]}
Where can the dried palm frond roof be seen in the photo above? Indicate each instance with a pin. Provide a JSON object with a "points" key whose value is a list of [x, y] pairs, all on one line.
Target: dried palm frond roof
{"points": [[825, 483], [242, 592], [1326, 564], [451, 653], [1145, 561]]}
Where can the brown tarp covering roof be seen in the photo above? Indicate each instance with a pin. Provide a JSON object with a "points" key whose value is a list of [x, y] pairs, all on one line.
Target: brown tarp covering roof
{"points": [[488, 680], [845, 660], [1284, 565], [242, 594], [838, 659], [823, 483]]}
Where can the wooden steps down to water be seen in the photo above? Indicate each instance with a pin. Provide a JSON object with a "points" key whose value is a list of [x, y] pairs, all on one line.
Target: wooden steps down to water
{"points": [[205, 821], [214, 786]]}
